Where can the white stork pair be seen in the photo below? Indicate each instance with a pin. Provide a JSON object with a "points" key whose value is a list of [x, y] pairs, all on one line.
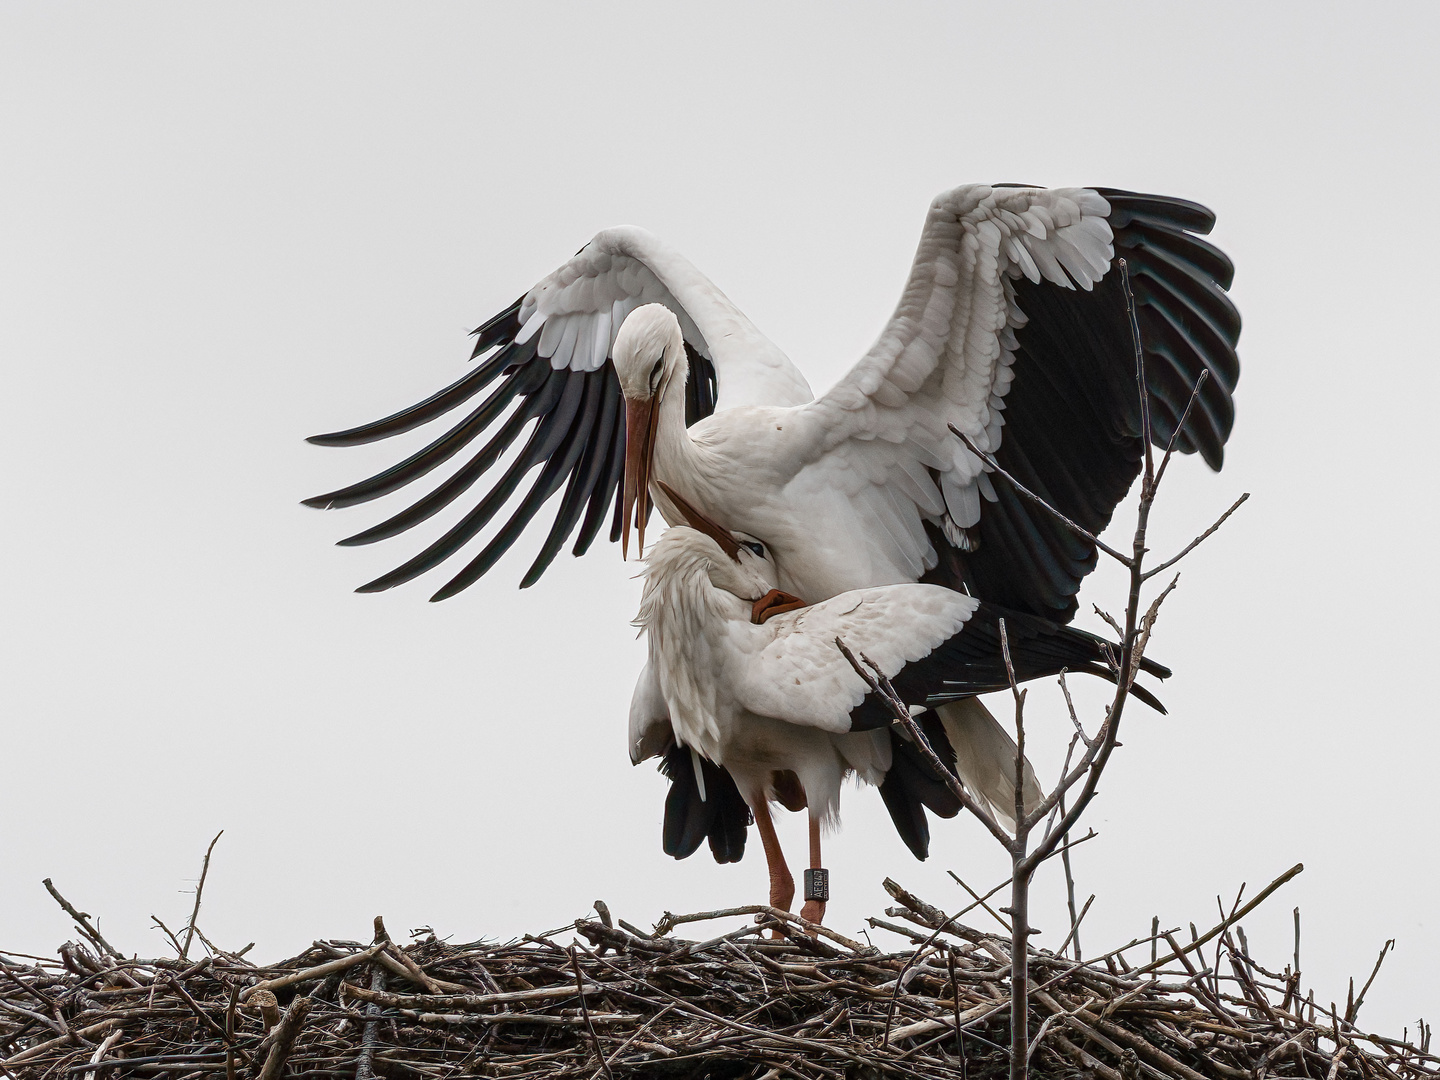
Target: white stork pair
{"points": [[1012, 328]]}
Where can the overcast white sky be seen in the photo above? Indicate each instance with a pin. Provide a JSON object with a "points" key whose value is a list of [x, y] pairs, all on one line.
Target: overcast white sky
{"points": [[226, 228]]}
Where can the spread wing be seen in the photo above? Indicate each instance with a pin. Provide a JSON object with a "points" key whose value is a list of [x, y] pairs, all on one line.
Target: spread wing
{"points": [[550, 352], [1013, 328]]}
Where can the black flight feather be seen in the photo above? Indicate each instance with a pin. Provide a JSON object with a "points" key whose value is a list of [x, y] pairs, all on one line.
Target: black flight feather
{"points": [[971, 662]]}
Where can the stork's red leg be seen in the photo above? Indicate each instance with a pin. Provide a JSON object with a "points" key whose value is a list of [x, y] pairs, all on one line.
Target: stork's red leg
{"points": [[814, 910], [782, 885]]}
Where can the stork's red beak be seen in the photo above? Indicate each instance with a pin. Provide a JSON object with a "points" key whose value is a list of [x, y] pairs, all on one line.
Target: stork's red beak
{"points": [[774, 603], [640, 422]]}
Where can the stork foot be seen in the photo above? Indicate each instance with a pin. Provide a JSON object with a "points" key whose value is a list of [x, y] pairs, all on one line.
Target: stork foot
{"points": [[813, 911]]}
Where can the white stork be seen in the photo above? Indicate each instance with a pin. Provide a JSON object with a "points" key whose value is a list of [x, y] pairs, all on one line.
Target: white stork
{"points": [[750, 701], [1012, 327]]}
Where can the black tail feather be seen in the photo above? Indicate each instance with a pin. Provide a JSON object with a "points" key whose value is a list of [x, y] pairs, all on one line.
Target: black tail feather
{"points": [[722, 816], [912, 786]]}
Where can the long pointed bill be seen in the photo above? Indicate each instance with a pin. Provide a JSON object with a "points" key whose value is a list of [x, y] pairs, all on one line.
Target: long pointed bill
{"points": [[700, 522], [640, 422], [774, 603]]}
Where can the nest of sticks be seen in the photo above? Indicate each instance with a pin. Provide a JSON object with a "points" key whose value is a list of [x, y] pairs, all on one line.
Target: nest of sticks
{"points": [[773, 997]]}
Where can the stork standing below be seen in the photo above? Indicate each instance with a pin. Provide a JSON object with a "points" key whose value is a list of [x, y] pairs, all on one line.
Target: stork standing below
{"points": [[747, 678]]}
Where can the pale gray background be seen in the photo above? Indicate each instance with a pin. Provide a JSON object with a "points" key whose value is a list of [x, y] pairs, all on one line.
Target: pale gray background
{"points": [[227, 228]]}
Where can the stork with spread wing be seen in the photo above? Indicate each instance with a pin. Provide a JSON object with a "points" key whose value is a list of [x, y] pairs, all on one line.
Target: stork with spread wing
{"points": [[1012, 327]]}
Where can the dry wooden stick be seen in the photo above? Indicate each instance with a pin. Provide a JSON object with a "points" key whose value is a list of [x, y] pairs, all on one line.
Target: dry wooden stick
{"points": [[1226, 924], [285, 1034], [82, 919], [199, 888], [319, 971]]}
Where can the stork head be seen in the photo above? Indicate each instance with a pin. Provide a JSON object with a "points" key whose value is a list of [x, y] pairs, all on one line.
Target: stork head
{"points": [[649, 362], [738, 563]]}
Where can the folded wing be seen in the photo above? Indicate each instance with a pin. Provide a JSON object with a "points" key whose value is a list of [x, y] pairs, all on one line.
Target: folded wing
{"points": [[934, 644]]}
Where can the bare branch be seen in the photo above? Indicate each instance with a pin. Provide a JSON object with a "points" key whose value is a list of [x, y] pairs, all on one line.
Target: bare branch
{"points": [[82, 920], [1198, 540], [1019, 696], [199, 888], [1147, 624], [1079, 729], [1179, 427], [180, 952], [981, 901], [1226, 924], [1075, 927], [1109, 621], [1354, 1011]]}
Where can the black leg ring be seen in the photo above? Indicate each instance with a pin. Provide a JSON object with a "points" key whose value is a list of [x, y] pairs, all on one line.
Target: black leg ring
{"points": [[817, 884]]}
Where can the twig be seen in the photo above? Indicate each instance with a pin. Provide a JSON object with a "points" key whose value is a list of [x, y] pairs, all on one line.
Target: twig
{"points": [[1198, 540], [1075, 928], [1179, 427], [1226, 924], [880, 684], [199, 888], [980, 901], [179, 951], [82, 919], [585, 1014], [1123, 265], [99, 1054], [1354, 1010]]}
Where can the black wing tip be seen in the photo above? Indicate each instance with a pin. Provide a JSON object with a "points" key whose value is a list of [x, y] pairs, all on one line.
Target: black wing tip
{"points": [[355, 436], [1148, 698], [1154, 667], [1192, 216]]}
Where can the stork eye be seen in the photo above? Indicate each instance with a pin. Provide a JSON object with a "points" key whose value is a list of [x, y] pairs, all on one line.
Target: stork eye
{"points": [[656, 371], [756, 548]]}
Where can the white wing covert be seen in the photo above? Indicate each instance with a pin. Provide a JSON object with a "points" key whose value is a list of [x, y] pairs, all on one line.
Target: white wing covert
{"points": [[551, 350], [802, 677]]}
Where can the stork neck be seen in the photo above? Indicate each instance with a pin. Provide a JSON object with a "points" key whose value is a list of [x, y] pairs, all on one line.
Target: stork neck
{"points": [[675, 456]]}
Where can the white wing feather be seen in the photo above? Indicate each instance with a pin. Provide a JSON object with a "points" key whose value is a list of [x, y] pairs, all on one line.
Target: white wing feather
{"points": [[802, 677], [945, 358], [577, 311]]}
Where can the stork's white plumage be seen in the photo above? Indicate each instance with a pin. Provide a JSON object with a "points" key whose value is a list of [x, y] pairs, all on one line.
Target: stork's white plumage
{"points": [[743, 677], [1012, 327]]}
